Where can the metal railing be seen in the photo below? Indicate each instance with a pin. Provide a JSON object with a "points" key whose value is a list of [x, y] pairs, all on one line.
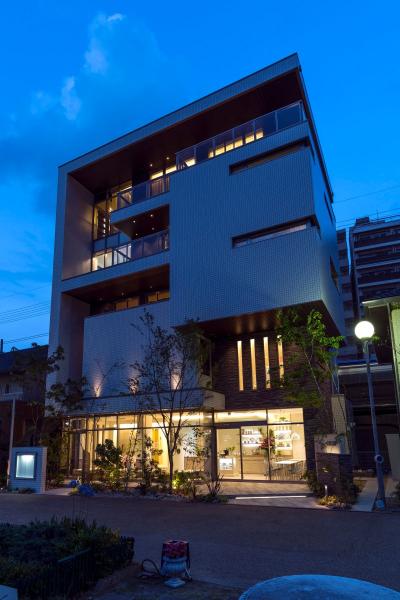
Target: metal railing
{"points": [[143, 191], [251, 131], [140, 248], [241, 135]]}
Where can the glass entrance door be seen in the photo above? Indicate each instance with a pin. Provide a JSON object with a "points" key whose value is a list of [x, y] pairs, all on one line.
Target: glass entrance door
{"points": [[254, 452], [229, 453], [274, 452]]}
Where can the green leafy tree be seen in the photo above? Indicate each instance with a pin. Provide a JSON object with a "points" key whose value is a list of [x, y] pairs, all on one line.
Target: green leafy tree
{"points": [[311, 363]]}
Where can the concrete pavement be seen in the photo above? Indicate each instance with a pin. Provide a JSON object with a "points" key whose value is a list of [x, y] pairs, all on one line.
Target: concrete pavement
{"points": [[238, 545]]}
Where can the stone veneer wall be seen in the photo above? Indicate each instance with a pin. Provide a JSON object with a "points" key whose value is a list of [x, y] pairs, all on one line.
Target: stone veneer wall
{"points": [[335, 471], [226, 381]]}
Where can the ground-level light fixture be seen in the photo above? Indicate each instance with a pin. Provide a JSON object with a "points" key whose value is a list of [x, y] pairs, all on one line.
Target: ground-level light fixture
{"points": [[364, 331]]}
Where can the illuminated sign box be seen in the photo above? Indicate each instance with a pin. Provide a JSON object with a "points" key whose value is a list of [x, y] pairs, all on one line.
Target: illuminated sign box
{"points": [[25, 466], [28, 469]]}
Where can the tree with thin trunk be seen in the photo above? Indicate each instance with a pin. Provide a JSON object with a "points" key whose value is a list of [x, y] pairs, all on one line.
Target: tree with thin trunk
{"points": [[310, 366], [166, 381]]}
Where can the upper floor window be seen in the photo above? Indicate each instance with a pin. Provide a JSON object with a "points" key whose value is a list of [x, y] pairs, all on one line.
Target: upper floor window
{"points": [[102, 210], [271, 232]]}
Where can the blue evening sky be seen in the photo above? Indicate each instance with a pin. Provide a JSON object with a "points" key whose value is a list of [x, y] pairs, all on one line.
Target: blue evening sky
{"points": [[76, 74]]}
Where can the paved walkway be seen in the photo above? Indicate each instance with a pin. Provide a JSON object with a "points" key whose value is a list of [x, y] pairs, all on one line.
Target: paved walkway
{"points": [[239, 545], [366, 498], [284, 495]]}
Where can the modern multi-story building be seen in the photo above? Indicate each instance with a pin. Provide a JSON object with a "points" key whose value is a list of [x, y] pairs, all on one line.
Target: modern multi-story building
{"points": [[220, 211]]}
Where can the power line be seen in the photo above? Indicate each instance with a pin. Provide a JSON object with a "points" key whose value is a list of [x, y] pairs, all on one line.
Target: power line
{"points": [[23, 317], [25, 312], [25, 339], [25, 293], [383, 213], [25, 308], [393, 187]]}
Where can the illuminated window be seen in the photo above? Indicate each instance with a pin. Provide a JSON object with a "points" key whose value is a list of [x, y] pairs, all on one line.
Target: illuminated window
{"points": [[157, 174], [240, 364], [253, 364], [170, 169], [266, 364], [280, 357], [255, 237]]}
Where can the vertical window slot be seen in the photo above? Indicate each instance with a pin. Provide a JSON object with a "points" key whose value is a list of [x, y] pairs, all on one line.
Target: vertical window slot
{"points": [[266, 363], [280, 357], [240, 364], [253, 364]]}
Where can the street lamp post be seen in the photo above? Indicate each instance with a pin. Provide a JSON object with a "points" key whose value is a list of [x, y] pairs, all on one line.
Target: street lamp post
{"points": [[364, 330]]}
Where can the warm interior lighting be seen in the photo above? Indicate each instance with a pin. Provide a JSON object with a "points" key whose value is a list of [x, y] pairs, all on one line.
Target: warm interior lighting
{"points": [[156, 175], [253, 364], [240, 364], [188, 417], [266, 363], [364, 330], [280, 357]]}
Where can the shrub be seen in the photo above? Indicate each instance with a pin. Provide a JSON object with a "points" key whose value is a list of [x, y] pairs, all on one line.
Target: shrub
{"points": [[186, 482], [30, 554], [334, 502], [109, 463], [315, 486]]}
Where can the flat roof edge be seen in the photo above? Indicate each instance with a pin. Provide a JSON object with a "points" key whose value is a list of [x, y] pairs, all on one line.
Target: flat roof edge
{"points": [[268, 73]]}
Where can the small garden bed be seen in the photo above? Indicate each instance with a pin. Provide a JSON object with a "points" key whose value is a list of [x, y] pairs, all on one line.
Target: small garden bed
{"points": [[47, 559]]}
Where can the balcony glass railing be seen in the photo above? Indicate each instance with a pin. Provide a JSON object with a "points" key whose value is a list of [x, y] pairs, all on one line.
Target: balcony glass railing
{"points": [[143, 191], [224, 142], [242, 134], [134, 250]]}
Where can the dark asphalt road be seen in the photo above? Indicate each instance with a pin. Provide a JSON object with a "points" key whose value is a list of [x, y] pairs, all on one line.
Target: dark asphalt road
{"points": [[239, 545]]}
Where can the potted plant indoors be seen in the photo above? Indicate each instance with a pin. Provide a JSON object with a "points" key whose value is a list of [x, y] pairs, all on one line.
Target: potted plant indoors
{"points": [[268, 445]]}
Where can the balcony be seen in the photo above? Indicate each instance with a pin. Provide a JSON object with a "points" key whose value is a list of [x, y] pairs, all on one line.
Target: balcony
{"points": [[143, 191], [134, 250], [237, 137]]}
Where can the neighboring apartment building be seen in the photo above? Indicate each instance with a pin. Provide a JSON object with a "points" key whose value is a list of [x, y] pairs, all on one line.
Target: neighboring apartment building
{"points": [[349, 351], [220, 211], [20, 408], [375, 285], [375, 258]]}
